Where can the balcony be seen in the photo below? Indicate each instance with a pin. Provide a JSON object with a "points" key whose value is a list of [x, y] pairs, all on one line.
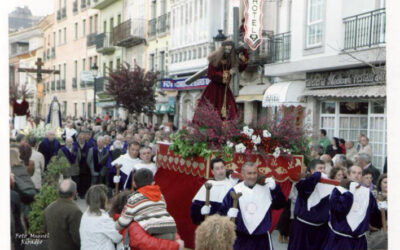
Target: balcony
{"points": [[163, 23], [63, 84], [82, 85], [279, 47], [262, 54], [53, 52], [91, 39], [64, 12], [75, 6], [130, 33], [53, 84], [58, 85], [104, 44], [100, 84], [152, 27], [74, 83], [365, 30]]}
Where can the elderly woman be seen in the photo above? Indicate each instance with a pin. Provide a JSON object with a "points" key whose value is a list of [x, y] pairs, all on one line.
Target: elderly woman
{"points": [[97, 229]]}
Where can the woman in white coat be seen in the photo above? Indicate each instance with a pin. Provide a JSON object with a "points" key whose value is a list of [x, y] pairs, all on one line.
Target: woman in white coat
{"points": [[97, 229]]}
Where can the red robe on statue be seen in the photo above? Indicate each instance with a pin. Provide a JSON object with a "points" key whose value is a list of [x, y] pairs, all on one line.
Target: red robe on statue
{"points": [[216, 89]]}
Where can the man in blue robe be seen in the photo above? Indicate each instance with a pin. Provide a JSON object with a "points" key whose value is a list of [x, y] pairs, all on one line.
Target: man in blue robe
{"points": [[311, 211], [49, 147], [352, 211], [253, 215], [220, 187]]}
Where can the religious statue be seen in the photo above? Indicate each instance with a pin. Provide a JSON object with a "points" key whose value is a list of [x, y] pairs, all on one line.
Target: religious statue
{"points": [[20, 112], [54, 116], [223, 64]]}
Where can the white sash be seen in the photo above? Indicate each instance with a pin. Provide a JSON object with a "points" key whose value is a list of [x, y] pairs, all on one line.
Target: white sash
{"points": [[151, 166], [218, 190], [254, 204], [321, 191], [359, 208]]}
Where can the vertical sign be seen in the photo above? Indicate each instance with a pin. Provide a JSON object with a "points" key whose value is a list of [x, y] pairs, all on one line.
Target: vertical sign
{"points": [[253, 23]]}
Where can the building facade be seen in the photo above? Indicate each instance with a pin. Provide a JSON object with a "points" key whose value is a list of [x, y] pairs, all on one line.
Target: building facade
{"points": [[335, 53], [68, 48]]}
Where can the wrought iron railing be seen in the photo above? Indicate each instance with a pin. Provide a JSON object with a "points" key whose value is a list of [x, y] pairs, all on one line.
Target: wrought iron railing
{"points": [[365, 30], [91, 39], [163, 23], [132, 29], [279, 47], [104, 40]]}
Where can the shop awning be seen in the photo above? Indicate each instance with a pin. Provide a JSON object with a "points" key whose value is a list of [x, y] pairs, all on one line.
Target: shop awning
{"points": [[106, 104], [364, 91], [252, 93], [284, 93]]}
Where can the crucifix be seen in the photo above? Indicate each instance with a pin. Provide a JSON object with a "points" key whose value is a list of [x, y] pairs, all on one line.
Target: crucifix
{"points": [[39, 71]]}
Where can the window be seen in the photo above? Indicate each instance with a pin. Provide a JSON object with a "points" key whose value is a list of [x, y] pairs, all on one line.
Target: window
{"points": [[194, 54], [104, 69], [95, 23], [163, 7], [83, 110], [76, 31], [119, 19], [89, 109], [162, 61], [111, 28], [328, 108], [118, 63], [90, 25], [65, 71], [356, 108], [314, 23], [59, 37], [151, 63], [84, 27], [75, 110], [84, 64], [90, 62], [54, 38], [65, 35], [65, 108], [110, 66], [76, 68], [105, 26], [95, 60], [199, 53]]}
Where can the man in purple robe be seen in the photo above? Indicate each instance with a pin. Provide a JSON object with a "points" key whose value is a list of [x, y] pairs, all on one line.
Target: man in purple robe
{"points": [[311, 211], [49, 147], [253, 215], [220, 187], [352, 210], [97, 163], [72, 153]]}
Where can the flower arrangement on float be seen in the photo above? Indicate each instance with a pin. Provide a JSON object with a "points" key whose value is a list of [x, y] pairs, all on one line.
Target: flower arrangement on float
{"points": [[40, 131], [278, 136]]}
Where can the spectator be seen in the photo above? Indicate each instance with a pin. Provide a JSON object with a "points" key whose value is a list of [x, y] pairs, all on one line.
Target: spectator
{"points": [[339, 161], [364, 161], [38, 160], [382, 188], [337, 174], [328, 163], [25, 153], [367, 180], [147, 207], [365, 147], [342, 144], [317, 151], [351, 152], [135, 236], [62, 219], [334, 148], [97, 229], [323, 140], [359, 142], [216, 232], [16, 209]]}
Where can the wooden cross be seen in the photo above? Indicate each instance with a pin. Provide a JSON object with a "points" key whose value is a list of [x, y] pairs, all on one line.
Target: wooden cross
{"points": [[39, 71]]}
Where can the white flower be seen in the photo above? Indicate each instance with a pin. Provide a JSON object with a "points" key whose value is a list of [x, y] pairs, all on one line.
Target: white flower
{"points": [[240, 148], [266, 133], [277, 152], [248, 131], [229, 144], [256, 139]]}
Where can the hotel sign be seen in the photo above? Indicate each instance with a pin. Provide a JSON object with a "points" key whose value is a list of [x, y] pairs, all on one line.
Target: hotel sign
{"points": [[253, 23], [346, 78], [179, 84]]}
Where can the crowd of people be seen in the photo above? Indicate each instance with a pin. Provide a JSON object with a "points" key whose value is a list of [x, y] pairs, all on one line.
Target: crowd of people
{"points": [[111, 166]]}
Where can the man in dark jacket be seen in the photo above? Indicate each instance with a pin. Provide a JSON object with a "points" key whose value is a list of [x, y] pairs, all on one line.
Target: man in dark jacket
{"points": [[364, 161], [62, 219]]}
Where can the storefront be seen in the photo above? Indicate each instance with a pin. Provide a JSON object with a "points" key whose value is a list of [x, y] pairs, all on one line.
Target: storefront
{"points": [[351, 102], [249, 102]]}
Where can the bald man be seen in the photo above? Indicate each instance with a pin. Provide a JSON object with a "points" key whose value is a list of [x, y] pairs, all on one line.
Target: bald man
{"points": [[62, 219]]}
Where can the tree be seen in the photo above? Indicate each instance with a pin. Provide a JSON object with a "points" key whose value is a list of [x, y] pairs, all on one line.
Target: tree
{"points": [[132, 88]]}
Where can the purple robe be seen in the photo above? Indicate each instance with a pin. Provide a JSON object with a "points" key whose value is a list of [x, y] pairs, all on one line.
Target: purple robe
{"points": [[48, 149], [304, 235], [340, 205], [260, 239]]}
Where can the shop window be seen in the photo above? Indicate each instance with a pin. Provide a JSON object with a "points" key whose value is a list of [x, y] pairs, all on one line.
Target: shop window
{"points": [[328, 108], [377, 108], [354, 108]]}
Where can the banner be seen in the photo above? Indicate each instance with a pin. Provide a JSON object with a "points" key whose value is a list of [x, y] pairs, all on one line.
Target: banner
{"points": [[253, 14]]}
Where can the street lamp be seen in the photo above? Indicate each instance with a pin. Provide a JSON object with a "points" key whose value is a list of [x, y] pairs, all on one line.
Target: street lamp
{"points": [[218, 39], [94, 71]]}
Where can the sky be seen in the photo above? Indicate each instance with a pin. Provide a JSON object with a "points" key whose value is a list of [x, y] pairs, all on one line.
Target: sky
{"points": [[37, 7]]}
